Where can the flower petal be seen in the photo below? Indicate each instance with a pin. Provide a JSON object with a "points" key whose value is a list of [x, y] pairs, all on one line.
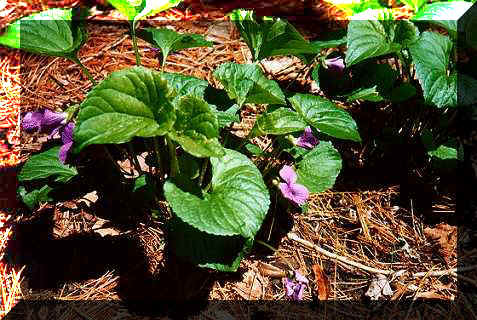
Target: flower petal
{"points": [[300, 278], [67, 133], [307, 140], [32, 121], [288, 174], [53, 119], [286, 191], [300, 193], [63, 154], [335, 64]]}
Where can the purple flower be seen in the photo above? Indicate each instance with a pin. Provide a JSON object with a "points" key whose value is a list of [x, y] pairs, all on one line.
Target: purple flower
{"points": [[335, 64], [47, 121], [296, 286], [307, 140], [292, 190]]}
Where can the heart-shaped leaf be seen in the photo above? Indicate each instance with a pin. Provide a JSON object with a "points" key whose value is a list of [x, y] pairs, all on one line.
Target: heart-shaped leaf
{"points": [[272, 37], [196, 128], [444, 14], [169, 40], [207, 250], [431, 56], [369, 39], [236, 205], [130, 102], [325, 116], [45, 165], [277, 122], [51, 32], [318, 169], [246, 83]]}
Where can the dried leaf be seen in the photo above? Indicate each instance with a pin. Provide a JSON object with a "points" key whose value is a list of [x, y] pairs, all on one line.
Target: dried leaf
{"points": [[379, 287], [252, 286], [268, 270], [445, 237], [322, 283]]}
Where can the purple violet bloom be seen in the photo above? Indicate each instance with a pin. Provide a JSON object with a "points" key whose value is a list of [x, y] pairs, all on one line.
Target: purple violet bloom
{"points": [[292, 190], [335, 64], [295, 287], [307, 140], [47, 121]]}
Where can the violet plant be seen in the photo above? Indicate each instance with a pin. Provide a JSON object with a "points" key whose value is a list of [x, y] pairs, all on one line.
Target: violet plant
{"points": [[218, 194]]}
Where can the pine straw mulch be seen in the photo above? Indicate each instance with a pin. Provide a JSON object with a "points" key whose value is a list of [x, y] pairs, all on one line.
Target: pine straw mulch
{"points": [[360, 233]]}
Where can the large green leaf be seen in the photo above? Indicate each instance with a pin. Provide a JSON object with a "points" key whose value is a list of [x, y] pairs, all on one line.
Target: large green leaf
{"points": [[247, 83], [222, 253], [236, 205], [271, 37], [169, 40], [280, 121], [51, 32], [318, 169], [130, 102], [444, 14], [196, 128], [431, 56], [325, 116], [369, 39], [45, 165]]}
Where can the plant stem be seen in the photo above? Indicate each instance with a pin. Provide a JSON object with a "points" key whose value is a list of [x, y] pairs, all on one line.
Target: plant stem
{"points": [[84, 69], [266, 245], [158, 155], [172, 153], [108, 154], [134, 39], [202, 172]]}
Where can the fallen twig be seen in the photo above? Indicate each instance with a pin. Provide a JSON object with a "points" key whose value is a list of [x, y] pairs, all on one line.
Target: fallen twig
{"points": [[449, 272]]}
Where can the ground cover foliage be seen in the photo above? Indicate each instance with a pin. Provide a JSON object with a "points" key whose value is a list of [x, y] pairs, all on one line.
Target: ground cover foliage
{"points": [[158, 148]]}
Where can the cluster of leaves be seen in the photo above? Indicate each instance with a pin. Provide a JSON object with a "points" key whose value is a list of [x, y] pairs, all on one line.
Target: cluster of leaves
{"points": [[218, 195]]}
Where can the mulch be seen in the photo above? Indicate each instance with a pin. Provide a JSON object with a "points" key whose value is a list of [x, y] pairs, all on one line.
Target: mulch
{"points": [[360, 223]]}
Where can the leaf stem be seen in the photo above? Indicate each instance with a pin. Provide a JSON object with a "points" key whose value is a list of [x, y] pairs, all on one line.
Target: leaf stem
{"points": [[158, 155], [84, 69], [134, 39], [202, 172], [108, 154], [172, 153], [266, 245]]}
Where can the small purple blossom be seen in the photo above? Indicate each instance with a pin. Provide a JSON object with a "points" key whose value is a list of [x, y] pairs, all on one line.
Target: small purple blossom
{"points": [[307, 140], [47, 121], [290, 189], [296, 286], [335, 64]]}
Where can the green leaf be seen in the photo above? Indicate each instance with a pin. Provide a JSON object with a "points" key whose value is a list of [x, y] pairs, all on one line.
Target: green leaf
{"points": [[325, 116], [247, 84], [237, 204], [444, 152], [354, 7], [444, 14], [431, 56], [228, 116], [402, 92], [271, 37], [45, 165], [369, 39], [133, 102], [254, 150], [35, 197], [318, 169], [368, 94], [206, 250], [139, 183], [50, 32], [330, 40], [196, 128], [278, 122], [138, 9], [169, 40], [186, 85]]}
